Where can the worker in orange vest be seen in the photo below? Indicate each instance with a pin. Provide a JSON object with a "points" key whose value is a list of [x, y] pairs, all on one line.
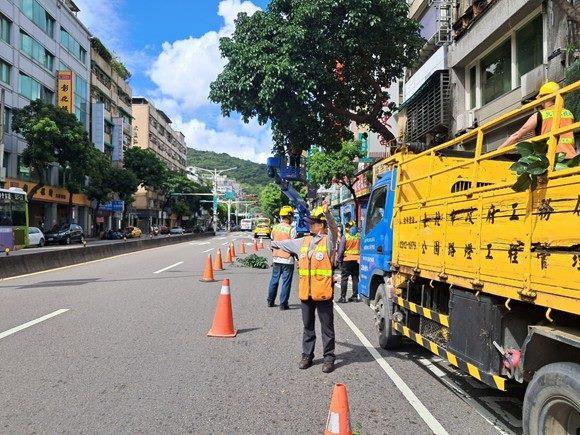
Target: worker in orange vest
{"points": [[283, 262], [348, 259], [315, 254], [541, 123]]}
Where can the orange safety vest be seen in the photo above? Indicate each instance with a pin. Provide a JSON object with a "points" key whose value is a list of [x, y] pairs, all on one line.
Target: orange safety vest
{"points": [[280, 232], [566, 140], [315, 271], [352, 247]]}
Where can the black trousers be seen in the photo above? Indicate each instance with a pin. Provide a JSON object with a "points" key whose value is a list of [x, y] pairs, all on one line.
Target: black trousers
{"points": [[326, 318], [348, 268]]}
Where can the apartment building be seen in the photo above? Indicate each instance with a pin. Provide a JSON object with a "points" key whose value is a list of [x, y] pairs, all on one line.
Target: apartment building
{"points": [[39, 38], [152, 130], [111, 105]]}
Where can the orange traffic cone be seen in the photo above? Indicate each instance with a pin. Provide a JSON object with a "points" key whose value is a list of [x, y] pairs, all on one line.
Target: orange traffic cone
{"points": [[208, 271], [338, 421], [261, 244], [229, 258], [233, 249], [218, 265], [223, 320], [255, 246], [242, 248]]}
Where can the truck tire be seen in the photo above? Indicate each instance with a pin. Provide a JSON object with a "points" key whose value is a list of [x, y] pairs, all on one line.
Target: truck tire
{"points": [[389, 338], [552, 401]]}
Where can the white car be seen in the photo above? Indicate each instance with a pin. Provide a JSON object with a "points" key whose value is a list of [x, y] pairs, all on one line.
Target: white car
{"points": [[35, 237]]}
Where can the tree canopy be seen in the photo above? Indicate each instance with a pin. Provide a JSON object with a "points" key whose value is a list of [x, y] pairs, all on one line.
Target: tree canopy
{"points": [[311, 67], [272, 199], [150, 171]]}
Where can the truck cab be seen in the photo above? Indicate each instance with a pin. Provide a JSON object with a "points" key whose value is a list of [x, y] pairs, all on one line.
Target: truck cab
{"points": [[377, 239]]}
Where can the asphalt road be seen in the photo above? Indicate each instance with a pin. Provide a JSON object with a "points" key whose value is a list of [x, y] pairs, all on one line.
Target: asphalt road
{"points": [[130, 353]]}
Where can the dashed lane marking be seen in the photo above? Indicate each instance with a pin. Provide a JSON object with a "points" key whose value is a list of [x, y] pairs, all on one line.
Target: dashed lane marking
{"points": [[169, 267], [413, 400], [32, 323], [208, 250]]}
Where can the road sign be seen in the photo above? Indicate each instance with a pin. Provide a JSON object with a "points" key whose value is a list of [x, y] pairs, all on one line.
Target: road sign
{"points": [[231, 195]]}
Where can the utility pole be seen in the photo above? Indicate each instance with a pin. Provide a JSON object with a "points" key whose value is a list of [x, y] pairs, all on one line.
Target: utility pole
{"points": [[215, 174]]}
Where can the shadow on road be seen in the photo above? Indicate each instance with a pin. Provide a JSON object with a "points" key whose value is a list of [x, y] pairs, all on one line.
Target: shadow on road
{"points": [[245, 330]]}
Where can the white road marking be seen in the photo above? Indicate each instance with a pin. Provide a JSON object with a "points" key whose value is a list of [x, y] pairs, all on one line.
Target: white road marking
{"points": [[222, 238], [423, 412], [202, 243], [208, 250], [225, 244], [168, 267], [32, 322]]}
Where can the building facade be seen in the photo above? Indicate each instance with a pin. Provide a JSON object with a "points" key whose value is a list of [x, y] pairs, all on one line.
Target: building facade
{"points": [[39, 38], [152, 130]]}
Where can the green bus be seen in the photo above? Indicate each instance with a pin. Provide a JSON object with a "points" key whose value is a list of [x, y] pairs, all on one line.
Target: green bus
{"points": [[13, 218]]}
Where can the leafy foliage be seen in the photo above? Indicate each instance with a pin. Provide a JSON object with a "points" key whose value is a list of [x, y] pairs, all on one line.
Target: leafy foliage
{"points": [[177, 183], [339, 166], [254, 261], [572, 100], [151, 172], [272, 199], [180, 208], [313, 66], [533, 162]]}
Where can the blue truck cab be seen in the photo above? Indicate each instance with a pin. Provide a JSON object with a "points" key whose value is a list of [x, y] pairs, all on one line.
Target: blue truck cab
{"points": [[377, 238]]}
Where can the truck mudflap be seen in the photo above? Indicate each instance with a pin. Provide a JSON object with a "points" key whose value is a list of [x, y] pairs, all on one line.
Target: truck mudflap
{"points": [[491, 379]]}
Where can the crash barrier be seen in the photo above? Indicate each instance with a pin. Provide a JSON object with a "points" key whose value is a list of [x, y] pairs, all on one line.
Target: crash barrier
{"points": [[51, 259]]}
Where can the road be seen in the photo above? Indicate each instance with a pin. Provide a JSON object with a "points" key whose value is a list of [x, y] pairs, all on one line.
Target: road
{"points": [[114, 346]]}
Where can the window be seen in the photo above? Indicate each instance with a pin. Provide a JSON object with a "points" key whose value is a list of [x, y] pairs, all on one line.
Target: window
{"points": [[376, 208], [496, 73], [5, 69], [472, 87], [529, 43], [72, 45], [38, 15], [33, 90], [4, 29], [36, 51], [7, 119]]}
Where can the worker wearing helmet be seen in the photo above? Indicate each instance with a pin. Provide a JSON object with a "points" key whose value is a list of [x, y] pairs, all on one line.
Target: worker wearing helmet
{"points": [[541, 123], [348, 258], [315, 254], [283, 262]]}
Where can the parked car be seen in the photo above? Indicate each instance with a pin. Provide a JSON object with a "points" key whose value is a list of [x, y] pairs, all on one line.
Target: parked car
{"points": [[163, 229], [177, 230], [65, 234], [112, 235], [132, 232], [35, 237]]}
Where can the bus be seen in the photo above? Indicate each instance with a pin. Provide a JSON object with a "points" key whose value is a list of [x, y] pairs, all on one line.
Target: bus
{"points": [[246, 225], [13, 218]]}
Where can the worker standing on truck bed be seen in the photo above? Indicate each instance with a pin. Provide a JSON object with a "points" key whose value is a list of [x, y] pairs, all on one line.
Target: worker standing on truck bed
{"points": [[540, 123], [348, 258], [315, 260], [283, 262]]}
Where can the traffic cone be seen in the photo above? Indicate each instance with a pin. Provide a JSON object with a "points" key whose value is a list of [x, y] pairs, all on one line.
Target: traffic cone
{"points": [[255, 246], [242, 248], [261, 244], [208, 271], [229, 258], [218, 265], [338, 421], [233, 249], [223, 320]]}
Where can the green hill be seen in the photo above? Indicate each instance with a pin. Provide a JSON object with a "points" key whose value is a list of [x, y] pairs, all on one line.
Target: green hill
{"points": [[252, 176]]}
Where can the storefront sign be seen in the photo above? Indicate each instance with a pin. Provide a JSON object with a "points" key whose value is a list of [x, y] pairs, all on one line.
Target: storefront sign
{"points": [[361, 186], [49, 193], [65, 90], [100, 219], [113, 206], [117, 139]]}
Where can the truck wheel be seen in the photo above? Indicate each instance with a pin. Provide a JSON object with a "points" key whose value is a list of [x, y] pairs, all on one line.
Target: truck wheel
{"points": [[552, 401], [388, 337]]}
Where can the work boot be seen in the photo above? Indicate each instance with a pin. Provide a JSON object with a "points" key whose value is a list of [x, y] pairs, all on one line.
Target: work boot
{"points": [[305, 362], [271, 303], [328, 367], [353, 298], [342, 300], [284, 307]]}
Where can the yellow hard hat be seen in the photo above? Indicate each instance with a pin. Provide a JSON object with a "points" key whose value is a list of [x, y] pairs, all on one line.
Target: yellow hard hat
{"points": [[548, 88], [286, 211], [318, 214]]}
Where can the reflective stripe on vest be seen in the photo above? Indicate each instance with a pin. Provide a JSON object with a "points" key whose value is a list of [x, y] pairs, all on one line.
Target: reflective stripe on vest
{"points": [[566, 118], [281, 232], [352, 247], [315, 271]]}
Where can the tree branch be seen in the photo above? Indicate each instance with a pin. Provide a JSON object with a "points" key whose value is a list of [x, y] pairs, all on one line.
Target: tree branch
{"points": [[572, 12]]}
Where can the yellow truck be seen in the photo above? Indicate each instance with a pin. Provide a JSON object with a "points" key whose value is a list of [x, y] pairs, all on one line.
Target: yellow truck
{"points": [[481, 275]]}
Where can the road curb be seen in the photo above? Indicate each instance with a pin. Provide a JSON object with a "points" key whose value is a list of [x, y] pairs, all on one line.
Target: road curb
{"points": [[40, 261]]}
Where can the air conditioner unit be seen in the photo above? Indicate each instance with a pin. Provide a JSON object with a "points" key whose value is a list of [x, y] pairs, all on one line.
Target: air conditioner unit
{"points": [[470, 118], [465, 120], [531, 81]]}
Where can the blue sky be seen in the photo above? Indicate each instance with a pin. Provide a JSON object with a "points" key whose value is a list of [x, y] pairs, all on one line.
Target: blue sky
{"points": [[171, 47]]}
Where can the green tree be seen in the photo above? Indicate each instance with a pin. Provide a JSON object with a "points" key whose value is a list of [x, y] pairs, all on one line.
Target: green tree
{"points": [[180, 208], [124, 184], [54, 137], [326, 168], [177, 183], [149, 169], [271, 200], [311, 67], [99, 189]]}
